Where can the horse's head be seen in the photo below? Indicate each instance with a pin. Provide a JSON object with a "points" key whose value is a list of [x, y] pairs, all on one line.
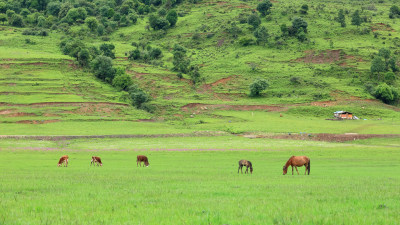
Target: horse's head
{"points": [[146, 164], [251, 170], [284, 170]]}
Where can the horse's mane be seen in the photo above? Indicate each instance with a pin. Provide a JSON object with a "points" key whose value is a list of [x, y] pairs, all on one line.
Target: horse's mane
{"points": [[288, 162], [251, 165], [60, 161]]}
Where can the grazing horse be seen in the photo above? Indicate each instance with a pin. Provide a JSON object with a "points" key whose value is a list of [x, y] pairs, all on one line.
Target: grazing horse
{"points": [[296, 161], [247, 164], [63, 160], [96, 159], [140, 159]]}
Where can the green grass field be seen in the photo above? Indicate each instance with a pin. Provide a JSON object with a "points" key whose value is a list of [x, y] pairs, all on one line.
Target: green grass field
{"points": [[195, 181]]}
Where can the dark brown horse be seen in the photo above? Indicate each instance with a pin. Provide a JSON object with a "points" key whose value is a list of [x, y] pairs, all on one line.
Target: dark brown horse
{"points": [[298, 161], [142, 158], [96, 159], [63, 161], [247, 164]]}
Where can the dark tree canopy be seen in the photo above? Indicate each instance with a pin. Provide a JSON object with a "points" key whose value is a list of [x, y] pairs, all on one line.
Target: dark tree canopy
{"points": [[264, 7]]}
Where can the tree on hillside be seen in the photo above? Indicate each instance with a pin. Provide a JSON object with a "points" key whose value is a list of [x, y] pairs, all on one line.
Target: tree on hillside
{"points": [[394, 12], [195, 74], [299, 23], [264, 7], [102, 68], [258, 86], [341, 18], [75, 14], [107, 50], [158, 23], [180, 60], [84, 57], [378, 66], [261, 34], [121, 80], [390, 77], [234, 30], [53, 8], [356, 19], [3, 18], [304, 9], [172, 17], [254, 20], [91, 23], [385, 54], [386, 93]]}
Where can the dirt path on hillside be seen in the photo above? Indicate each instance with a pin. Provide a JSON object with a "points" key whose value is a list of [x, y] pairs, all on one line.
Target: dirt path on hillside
{"points": [[303, 136], [71, 137], [43, 104], [199, 107]]}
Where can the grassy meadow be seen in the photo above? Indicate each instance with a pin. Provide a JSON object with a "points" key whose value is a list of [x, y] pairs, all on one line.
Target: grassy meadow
{"points": [[195, 181]]}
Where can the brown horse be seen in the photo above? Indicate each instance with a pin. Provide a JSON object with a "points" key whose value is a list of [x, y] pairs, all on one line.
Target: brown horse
{"points": [[142, 158], [96, 159], [63, 160], [247, 164], [296, 161]]}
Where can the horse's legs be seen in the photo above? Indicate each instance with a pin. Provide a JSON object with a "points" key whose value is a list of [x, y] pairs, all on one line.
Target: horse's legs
{"points": [[297, 170], [247, 169], [292, 170], [241, 169]]}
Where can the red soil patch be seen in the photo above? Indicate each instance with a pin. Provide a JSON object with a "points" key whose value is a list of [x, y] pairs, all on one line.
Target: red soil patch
{"points": [[220, 42], [199, 106], [7, 111], [243, 6], [207, 87], [382, 27], [37, 121], [34, 64], [327, 56], [330, 137], [5, 66], [20, 114]]}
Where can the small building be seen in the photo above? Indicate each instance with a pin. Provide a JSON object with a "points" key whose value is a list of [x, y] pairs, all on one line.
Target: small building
{"points": [[343, 115]]}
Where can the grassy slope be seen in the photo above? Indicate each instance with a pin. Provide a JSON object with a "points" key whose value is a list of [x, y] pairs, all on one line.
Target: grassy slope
{"points": [[56, 80]]}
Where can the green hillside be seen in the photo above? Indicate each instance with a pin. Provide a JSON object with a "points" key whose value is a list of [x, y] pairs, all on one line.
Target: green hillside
{"points": [[312, 66]]}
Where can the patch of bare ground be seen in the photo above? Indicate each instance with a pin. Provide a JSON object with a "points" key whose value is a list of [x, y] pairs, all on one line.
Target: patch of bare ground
{"points": [[44, 104], [30, 93], [327, 56], [381, 27], [330, 137], [37, 121], [208, 87], [5, 66], [198, 107], [70, 137], [7, 111], [20, 114]]}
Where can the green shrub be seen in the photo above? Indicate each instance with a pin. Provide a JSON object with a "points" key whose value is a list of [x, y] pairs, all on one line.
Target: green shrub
{"points": [[258, 86]]}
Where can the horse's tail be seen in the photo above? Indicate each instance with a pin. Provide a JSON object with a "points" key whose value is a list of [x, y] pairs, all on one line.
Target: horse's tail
{"points": [[309, 166]]}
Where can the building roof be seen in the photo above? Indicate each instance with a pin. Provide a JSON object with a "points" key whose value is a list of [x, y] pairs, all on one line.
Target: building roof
{"points": [[342, 112]]}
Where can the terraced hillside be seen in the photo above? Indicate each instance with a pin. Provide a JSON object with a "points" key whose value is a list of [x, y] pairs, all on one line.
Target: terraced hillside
{"points": [[43, 90]]}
